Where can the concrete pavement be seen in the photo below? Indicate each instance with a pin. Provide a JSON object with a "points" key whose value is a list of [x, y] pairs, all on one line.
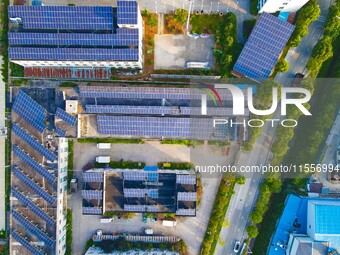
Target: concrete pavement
{"points": [[2, 151]]}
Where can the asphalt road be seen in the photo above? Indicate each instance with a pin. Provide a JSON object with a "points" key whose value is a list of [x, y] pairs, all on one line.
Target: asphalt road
{"points": [[299, 56]]}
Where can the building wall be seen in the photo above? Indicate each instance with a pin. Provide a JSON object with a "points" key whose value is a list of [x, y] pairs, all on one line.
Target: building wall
{"points": [[311, 219], [272, 6], [62, 196], [79, 64]]}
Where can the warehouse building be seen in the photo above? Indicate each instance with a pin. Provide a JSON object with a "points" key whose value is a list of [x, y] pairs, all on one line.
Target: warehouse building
{"points": [[76, 36]]}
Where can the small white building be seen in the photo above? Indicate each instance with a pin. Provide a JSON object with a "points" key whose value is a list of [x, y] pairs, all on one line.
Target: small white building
{"points": [[272, 6]]}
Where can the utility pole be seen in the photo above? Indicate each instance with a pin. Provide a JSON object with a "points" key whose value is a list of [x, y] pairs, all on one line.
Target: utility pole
{"points": [[189, 12]]}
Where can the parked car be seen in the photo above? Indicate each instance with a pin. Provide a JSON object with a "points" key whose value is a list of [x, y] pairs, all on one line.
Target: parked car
{"points": [[237, 246]]}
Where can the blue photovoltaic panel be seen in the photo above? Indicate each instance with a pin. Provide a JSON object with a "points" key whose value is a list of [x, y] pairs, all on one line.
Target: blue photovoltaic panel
{"points": [[60, 131], [129, 109], [186, 196], [152, 177], [33, 143], [64, 17], [68, 118], [38, 211], [92, 210], [73, 54], [34, 164], [186, 212], [140, 208], [93, 177], [30, 110], [92, 194], [32, 228], [25, 243], [152, 193], [135, 176], [127, 12], [124, 37], [186, 179], [34, 186], [263, 48]]}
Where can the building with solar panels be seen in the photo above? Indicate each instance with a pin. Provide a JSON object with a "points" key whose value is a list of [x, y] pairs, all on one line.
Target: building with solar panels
{"points": [[38, 176], [139, 190], [263, 48], [76, 36]]}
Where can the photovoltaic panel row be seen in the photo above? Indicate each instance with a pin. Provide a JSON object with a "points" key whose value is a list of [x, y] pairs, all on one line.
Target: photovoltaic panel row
{"points": [[135, 176], [152, 193], [32, 228], [93, 177], [60, 131], [140, 208], [32, 185], [30, 111], [121, 39], [34, 164], [25, 243], [63, 17], [92, 210], [197, 128], [127, 12], [92, 194], [186, 196], [263, 48], [186, 179], [73, 54], [186, 212], [129, 109], [149, 93], [38, 211], [68, 118], [33, 143]]}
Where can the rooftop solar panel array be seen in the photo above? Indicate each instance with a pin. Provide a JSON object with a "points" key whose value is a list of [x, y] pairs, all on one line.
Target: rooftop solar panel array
{"points": [[186, 179], [32, 185], [124, 37], [27, 53], [39, 212], [186, 196], [93, 177], [34, 164], [141, 208], [263, 48], [127, 12], [68, 118], [32, 228], [92, 210], [201, 128], [92, 194], [33, 143], [30, 111], [60, 131], [63, 17], [135, 176], [152, 193], [25, 243], [186, 212]]}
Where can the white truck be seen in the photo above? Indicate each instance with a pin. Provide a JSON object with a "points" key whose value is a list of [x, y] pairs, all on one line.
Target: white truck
{"points": [[106, 220], [104, 146], [169, 223], [103, 159]]}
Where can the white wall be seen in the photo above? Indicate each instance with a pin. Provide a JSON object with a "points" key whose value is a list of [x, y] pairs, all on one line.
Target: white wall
{"points": [[272, 6]]}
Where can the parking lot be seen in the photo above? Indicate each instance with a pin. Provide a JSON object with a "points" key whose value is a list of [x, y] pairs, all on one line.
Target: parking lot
{"points": [[174, 51], [191, 229]]}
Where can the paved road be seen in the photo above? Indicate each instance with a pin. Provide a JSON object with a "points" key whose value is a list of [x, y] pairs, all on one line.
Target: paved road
{"points": [[2, 152], [299, 56]]}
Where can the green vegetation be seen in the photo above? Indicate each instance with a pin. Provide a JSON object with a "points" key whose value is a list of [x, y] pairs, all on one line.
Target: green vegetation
{"points": [[18, 82], [183, 142], [181, 15], [88, 244], [253, 7], [174, 22], [219, 143], [109, 140], [225, 191], [2, 234], [70, 164], [248, 27], [121, 164], [69, 232], [4, 39], [282, 66], [227, 49], [205, 23], [122, 245], [252, 231], [332, 25], [16, 70], [240, 180], [68, 84], [305, 16], [175, 165], [151, 20]]}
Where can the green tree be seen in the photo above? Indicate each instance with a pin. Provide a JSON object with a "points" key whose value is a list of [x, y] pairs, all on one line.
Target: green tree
{"points": [[181, 15], [252, 231], [256, 217], [332, 25], [282, 66], [264, 92], [241, 180]]}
